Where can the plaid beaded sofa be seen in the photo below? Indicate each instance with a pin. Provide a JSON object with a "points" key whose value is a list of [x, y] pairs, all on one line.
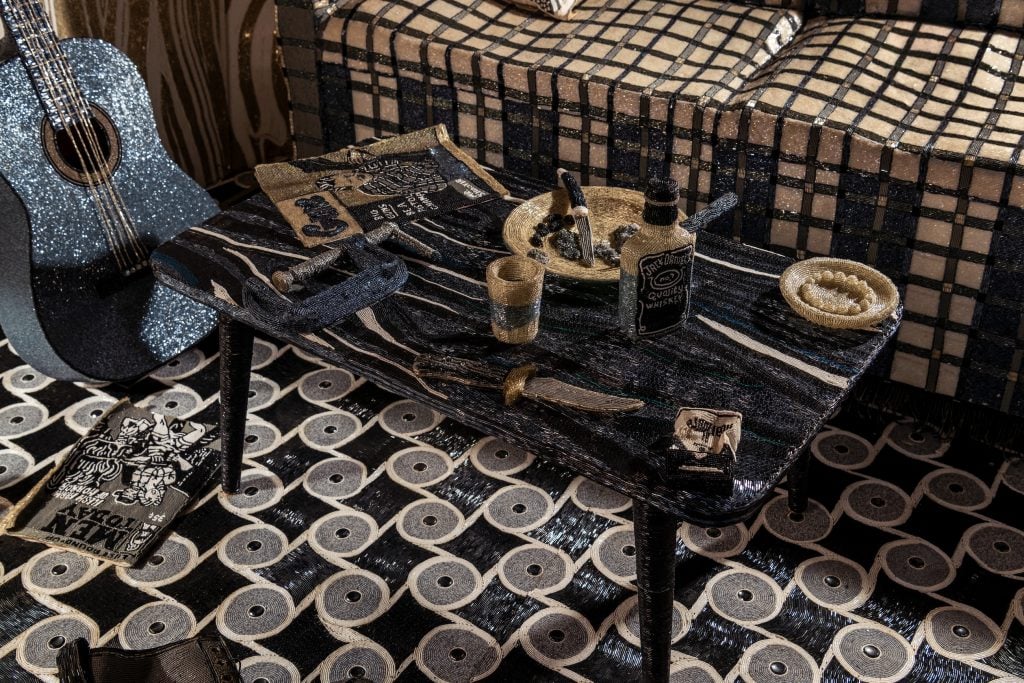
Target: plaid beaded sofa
{"points": [[887, 131]]}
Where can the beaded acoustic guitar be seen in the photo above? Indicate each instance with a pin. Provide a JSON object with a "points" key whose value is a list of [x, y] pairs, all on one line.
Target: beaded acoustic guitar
{"points": [[86, 191]]}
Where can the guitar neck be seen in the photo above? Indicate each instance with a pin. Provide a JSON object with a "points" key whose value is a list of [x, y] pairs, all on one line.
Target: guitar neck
{"points": [[47, 67]]}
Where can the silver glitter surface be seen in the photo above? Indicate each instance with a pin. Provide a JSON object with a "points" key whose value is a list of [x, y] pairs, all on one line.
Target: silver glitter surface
{"points": [[52, 311], [514, 317], [627, 304]]}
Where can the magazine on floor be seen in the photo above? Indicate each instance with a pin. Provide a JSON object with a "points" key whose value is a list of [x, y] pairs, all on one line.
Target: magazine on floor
{"points": [[120, 486]]}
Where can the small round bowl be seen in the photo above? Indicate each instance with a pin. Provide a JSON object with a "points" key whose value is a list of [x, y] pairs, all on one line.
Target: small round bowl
{"points": [[838, 293], [610, 208]]}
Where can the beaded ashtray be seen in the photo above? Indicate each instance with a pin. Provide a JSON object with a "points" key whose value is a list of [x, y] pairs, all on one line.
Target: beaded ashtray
{"points": [[611, 209], [838, 293]]}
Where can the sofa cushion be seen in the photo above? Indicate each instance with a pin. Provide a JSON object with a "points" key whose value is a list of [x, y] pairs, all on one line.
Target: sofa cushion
{"points": [[898, 144], [563, 9], [1005, 13], [600, 95]]}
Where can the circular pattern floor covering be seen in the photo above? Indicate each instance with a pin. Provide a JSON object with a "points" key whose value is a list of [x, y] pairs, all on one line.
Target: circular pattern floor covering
{"points": [[375, 538]]}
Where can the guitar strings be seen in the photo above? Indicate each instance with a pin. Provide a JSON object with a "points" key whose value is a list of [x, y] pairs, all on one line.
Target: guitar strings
{"points": [[20, 15], [124, 238], [48, 83], [58, 58], [97, 200]]}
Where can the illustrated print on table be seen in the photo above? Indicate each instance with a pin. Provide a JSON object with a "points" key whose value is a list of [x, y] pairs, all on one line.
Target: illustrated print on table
{"points": [[402, 174], [325, 219], [706, 431], [705, 443], [388, 176], [352, 190]]}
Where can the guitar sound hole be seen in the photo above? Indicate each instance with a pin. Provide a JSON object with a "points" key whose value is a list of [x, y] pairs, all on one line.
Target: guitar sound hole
{"points": [[84, 153], [78, 151]]}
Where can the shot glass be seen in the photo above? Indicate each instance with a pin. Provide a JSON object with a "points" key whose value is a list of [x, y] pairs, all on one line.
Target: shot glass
{"points": [[514, 286]]}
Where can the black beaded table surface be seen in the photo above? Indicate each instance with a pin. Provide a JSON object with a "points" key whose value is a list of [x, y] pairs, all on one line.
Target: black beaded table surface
{"points": [[741, 349]]}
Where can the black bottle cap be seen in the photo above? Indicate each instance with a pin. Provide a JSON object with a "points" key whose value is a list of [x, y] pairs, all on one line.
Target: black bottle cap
{"points": [[661, 200], [662, 190]]}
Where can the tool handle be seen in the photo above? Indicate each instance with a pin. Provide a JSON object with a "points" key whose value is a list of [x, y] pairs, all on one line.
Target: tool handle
{"points": [[284, 279], [413, 244], [451, 369], [391, 231], [572, 186]]}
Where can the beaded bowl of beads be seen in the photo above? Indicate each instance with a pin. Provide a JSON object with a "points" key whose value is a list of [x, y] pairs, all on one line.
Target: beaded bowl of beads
{"points": [[543, 228], [838, 293]]}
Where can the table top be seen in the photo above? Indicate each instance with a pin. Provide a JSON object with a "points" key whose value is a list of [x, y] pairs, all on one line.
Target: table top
{"points": [[741, 349]]}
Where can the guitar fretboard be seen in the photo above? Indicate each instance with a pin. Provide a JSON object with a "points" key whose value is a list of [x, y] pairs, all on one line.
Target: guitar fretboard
{"points": [[47, 67]]}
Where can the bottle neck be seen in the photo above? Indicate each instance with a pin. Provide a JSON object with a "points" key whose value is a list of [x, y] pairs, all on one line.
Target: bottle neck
{"points": [[660, 229], [663, 214]]}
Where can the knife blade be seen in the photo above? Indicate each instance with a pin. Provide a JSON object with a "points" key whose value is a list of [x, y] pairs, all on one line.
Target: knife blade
{"points": [[520, 383], [580, 213]]}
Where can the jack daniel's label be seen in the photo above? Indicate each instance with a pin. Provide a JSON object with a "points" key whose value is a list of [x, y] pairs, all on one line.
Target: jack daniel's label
{"points": [[662, 290]]}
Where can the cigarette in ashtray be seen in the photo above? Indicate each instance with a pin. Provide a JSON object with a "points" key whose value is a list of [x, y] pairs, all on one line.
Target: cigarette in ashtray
{"points": [[705, 442]]}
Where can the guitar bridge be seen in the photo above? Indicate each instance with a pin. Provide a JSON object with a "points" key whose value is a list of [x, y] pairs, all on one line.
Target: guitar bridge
{"points": [[133, 270], [113, 283]]}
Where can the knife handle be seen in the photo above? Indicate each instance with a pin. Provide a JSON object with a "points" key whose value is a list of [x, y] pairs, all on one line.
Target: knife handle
{"points": [[451, 369], [580, 213], [572, 187]]}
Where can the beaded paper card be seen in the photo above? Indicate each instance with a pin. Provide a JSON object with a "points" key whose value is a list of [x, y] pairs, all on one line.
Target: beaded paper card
{"points": [[705, 444], [353, 190], [120, 486]]}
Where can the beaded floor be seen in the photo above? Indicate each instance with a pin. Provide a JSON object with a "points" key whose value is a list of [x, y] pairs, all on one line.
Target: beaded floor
{"points": [[374, 537]]}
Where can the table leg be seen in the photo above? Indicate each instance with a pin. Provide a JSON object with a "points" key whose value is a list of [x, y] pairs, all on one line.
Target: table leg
{"points": [[235, 367], [797, 480], [656, 577]]}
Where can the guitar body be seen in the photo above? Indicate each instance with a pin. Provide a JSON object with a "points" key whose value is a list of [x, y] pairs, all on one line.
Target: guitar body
{"points": [[66, 307]]}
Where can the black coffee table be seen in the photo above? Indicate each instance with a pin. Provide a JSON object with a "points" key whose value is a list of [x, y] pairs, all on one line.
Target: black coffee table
{"points": [[742, 349]]}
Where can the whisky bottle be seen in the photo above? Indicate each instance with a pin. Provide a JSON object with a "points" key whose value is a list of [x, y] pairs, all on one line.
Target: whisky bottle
{"points": [[656, 266]]}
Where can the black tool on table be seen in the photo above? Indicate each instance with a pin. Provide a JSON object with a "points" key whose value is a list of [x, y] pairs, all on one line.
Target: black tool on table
{"points": [[284, 280], [379, 273]]}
